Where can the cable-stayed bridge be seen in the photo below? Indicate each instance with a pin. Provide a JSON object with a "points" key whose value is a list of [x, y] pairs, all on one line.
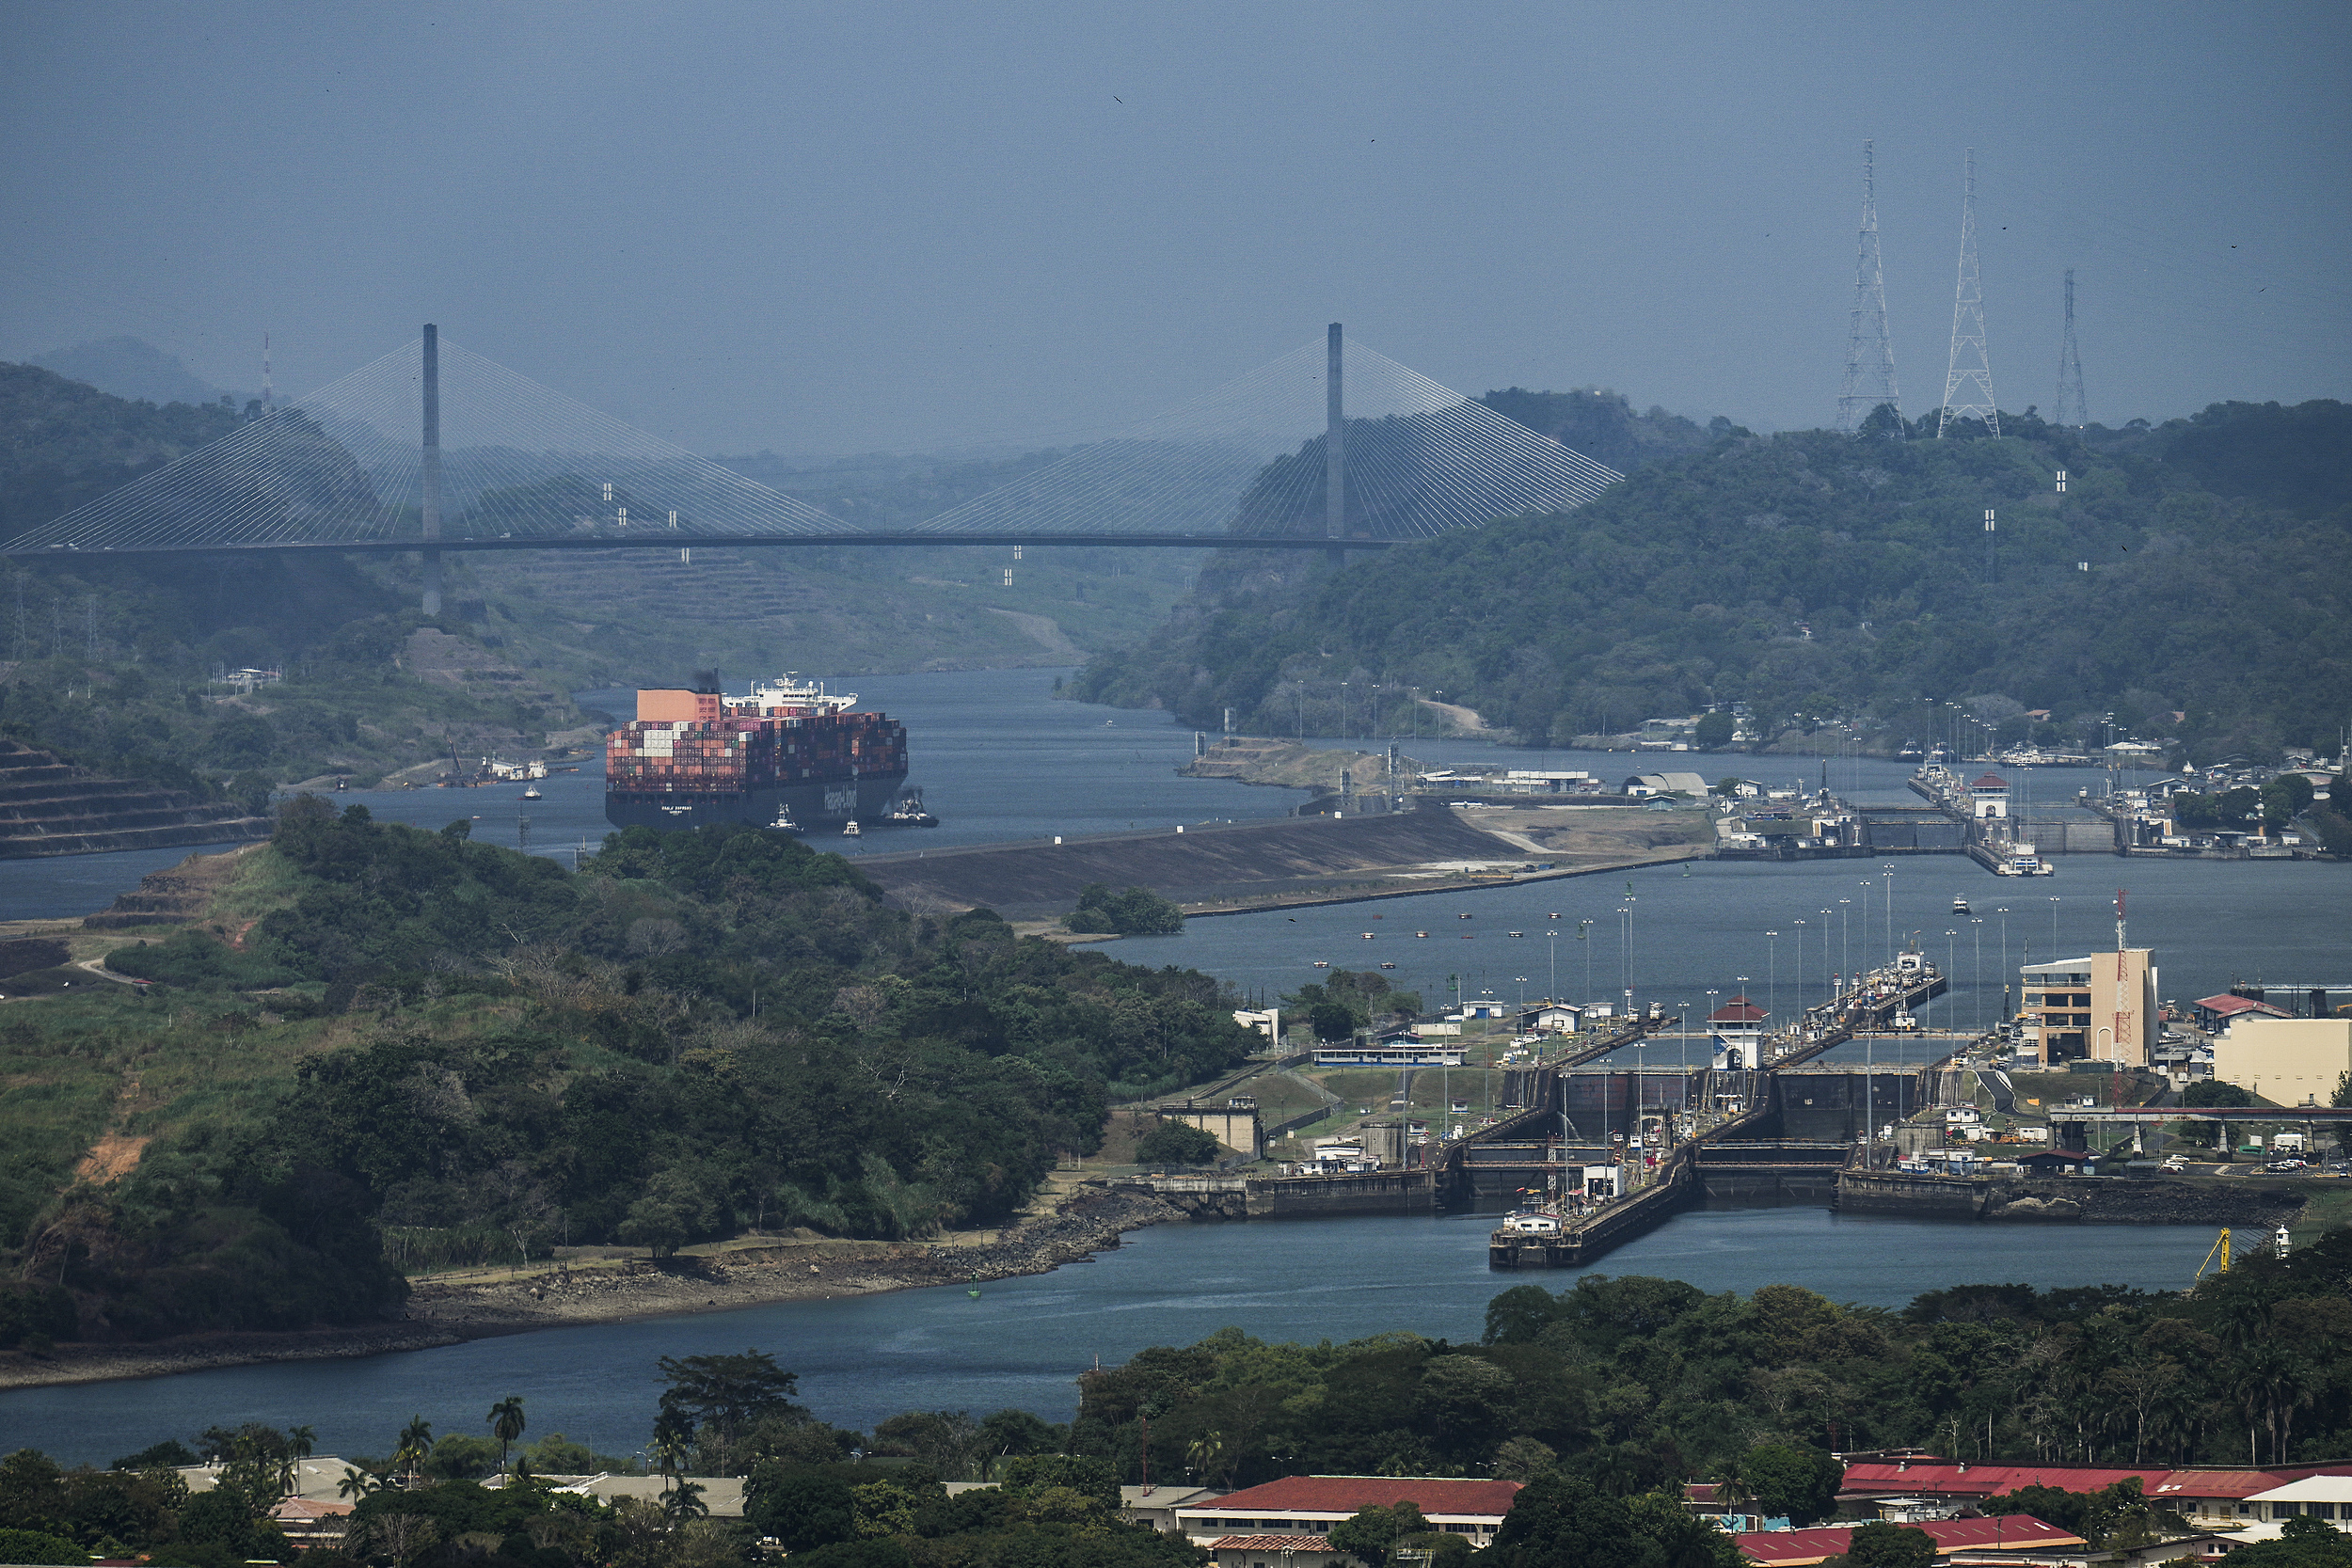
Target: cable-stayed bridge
{"points": [[434, 448]]}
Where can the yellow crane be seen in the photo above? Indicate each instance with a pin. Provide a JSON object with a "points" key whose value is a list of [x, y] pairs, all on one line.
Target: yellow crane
{"points": [[2220, 1251]]}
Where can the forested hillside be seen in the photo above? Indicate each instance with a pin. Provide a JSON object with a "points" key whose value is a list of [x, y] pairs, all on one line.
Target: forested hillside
{"points": [[2202, 567], [474, 1053]]}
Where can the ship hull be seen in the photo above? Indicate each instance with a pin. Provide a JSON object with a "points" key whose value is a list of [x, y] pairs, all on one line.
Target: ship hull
{"points": [[813, 804]]}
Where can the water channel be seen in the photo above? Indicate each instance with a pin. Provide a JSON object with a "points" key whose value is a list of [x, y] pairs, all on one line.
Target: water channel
{"points": [[1001, 758]]}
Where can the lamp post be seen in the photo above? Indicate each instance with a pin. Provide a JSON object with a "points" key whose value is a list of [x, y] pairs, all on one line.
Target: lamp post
{"points": [[1845, 947], [1624, 952], [1951, 942], [1801, 969], [2053, 904], [1829, 980], [1866, 916], [1772, 957], [1584, 935], [1888, 902], [2003, 912], [1976, 977]]}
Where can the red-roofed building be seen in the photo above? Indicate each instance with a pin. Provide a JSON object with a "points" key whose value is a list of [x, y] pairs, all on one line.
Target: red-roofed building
{"points": [[2016, 1532], [1987, 796], [1311, 1505], [2216, 1013], [2203, 1495]]}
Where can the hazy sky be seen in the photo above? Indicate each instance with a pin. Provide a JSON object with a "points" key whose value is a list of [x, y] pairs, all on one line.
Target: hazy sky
{"points": [[843, 228]]}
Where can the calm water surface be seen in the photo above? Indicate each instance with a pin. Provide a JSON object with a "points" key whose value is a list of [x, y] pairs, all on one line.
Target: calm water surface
{"points": [[1024, 1341]]}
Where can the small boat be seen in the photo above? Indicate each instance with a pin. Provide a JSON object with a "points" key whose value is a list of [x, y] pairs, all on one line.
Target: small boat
{"points": [[1420, 933], [1515, 933], [784, 823], [531, 792], [1367, 936], [849, 829], [1960, 906], [908, 811], [1461, 917], [1386, 965], [1320, 964]]}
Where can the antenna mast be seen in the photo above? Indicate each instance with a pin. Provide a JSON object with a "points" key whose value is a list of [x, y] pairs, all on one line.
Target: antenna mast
{"points": [[2069, 406], [1869, 342], [266, 388], [1968, 367]]}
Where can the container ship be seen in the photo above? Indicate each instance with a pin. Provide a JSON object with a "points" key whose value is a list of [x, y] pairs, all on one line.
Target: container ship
{"points": [[790, 756]]}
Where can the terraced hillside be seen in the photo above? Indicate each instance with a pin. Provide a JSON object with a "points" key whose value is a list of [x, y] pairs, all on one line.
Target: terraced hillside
{"points": [[50, 808]]}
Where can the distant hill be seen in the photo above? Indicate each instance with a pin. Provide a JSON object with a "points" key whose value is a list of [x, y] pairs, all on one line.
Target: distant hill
{"points": [[2200, 568], [129, 368]]}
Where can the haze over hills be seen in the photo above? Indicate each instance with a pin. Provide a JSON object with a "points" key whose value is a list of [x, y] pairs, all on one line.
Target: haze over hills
{"points": [[130, 367], [2201, 568]]}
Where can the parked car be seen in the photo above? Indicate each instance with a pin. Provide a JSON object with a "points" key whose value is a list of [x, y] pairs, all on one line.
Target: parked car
{"points": [[2286, 1165]]}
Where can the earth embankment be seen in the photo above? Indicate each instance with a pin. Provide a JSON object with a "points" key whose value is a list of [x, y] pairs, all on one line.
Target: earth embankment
{"points": [[1200, 865]]}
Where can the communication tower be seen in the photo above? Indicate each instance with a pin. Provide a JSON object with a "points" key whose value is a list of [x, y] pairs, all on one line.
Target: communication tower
{"points": [[1968, 371], [2071, 410], [1870, 351]]}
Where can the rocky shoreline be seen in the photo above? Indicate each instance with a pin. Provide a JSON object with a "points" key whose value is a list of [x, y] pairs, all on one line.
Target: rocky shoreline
{"points": [[440, 1314]]}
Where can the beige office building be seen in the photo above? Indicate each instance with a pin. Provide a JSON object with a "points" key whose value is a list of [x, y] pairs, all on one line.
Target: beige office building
{"points": [[2100, 1008], [2287, 1061]]}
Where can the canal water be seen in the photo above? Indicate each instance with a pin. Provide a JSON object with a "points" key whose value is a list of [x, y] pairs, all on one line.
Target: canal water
{"points": [[1022, 1342], [1001, 758]]}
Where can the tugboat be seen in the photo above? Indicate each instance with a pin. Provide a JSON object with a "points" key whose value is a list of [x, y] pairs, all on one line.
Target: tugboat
{"points": [[908, 812], [1960, 906], [849, 829], [784, 823], [531, 792]]}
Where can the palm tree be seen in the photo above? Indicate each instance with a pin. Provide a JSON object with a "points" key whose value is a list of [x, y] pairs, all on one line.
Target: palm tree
{"points": [[415, 1445], [1205, 1453], [669, 1454], [685, 1503], [506, 1424], [358, 1484]]}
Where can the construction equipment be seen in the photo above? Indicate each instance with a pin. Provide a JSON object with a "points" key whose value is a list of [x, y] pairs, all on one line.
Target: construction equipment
{"points": [[2220, 1249]]}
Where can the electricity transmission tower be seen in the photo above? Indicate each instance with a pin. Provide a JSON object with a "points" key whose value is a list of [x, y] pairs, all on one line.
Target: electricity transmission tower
{"points": [[2071, 409], [1968, 367], [1868, 343]]}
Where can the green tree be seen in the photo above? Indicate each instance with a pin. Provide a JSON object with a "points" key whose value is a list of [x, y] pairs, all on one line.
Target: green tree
{"points": [[415, 1445], [1371, 1533], [1331, 1021], [1714, 731], [2286, 798], [1800, 1483], [1563, 1521], [32, 1546], [654, 1225], [1134, 912], [802, 1508], [2215, 1093], [716, 1397], [1177, 1143], [506, 1424], [1879, 1545]]}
